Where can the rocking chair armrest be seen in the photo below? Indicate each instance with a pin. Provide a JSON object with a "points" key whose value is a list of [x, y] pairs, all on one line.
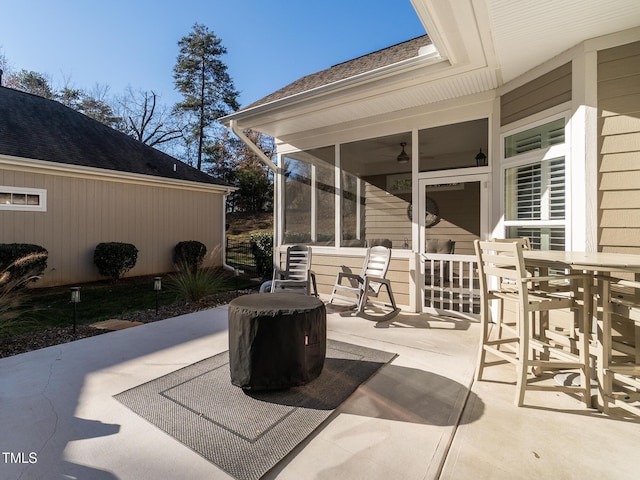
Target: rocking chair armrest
{"points": [[279, 273], [375, 279], [353, 276]]}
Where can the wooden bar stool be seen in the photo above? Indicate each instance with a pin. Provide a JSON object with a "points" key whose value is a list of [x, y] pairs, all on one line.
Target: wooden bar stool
{"points": [[619, 362], [504, 263]]}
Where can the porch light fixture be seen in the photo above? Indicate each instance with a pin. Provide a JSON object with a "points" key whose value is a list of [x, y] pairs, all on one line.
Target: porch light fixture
{"points": [[75, 299], [403, 157], [157, 286], [481, 159]]}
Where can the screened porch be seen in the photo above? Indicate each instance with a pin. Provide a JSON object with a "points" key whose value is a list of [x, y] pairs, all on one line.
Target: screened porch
{"points": [[425, 193]]}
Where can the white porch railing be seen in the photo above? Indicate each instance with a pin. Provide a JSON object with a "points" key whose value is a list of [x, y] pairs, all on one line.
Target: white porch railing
{"points": [[450, 284]]}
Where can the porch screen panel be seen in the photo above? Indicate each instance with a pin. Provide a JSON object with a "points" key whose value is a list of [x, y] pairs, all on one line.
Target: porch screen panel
{"points": [[325, 199], [453, 146], [309, 196], [297, 205], [352, 211]]}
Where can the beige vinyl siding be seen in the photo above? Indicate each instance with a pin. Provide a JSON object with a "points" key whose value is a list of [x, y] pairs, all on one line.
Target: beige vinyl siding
{"points": [[386, 216], [536, 96], [619, 148], [82, 212]]}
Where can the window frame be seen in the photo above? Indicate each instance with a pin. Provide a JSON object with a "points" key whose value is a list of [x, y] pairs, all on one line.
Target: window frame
{"points": [[41, 193], [531, 157]]}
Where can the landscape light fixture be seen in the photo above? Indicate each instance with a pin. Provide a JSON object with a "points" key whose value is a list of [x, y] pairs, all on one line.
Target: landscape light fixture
{"points": [[157, 286], [403, 157], [75, 299], [481, 159]]}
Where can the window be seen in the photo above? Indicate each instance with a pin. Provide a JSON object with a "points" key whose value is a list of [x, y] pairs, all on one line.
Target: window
{"points": [[535, 138], [24, 199], [535, 188]]}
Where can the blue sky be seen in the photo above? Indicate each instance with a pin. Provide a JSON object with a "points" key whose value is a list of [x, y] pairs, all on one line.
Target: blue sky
{"points": [[270, 43]]}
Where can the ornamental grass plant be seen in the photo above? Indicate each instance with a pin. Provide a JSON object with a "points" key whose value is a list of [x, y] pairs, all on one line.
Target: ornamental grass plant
{"points": [[14, 306], [193, 284]]}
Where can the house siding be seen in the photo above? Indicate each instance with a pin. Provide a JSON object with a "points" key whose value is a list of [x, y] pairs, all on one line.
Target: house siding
{"points": [[619, 149], [82, 212], [536, 96]]}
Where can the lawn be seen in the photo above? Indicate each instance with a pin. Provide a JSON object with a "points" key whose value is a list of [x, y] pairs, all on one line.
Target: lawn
{"points": [[46, 308], [242, 225]]}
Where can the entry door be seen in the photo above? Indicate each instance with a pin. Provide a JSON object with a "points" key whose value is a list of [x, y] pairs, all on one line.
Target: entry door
{"points": [[453, 207]]}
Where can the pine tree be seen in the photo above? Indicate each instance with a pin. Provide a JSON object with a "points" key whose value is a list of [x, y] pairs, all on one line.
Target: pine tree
{"points": [[202, 79]]}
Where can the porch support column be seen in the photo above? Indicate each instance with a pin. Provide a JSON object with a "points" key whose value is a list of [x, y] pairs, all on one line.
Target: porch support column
{"points": [[278, 207], [583, 126], [338, 203], [415, 289], [358, 208], [314, 205]]}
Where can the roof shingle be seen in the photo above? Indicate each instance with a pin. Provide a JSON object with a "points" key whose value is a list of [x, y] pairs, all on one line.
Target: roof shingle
{"points": [[366, 63], [37, 128]]}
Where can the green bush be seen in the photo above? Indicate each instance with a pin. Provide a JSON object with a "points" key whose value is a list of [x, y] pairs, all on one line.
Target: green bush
{"points": [[22, 260], [189, 253], [262, 249], [114, 259]]}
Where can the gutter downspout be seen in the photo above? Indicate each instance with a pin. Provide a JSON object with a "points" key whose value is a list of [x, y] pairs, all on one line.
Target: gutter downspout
{"points": [[266, 160]]}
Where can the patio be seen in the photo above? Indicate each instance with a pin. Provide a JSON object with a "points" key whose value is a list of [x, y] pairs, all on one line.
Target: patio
{"points": [[419, 417]]}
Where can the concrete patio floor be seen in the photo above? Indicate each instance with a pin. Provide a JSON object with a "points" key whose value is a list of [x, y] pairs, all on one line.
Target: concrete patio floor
{"points": [[420, 417]]}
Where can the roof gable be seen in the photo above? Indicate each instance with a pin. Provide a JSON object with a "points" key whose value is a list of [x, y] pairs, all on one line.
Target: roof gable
{"points": [[37, 128], [351, 68]]}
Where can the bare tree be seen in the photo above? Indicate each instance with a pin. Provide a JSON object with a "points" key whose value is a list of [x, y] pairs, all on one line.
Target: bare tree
{"points": [[146, 120]]}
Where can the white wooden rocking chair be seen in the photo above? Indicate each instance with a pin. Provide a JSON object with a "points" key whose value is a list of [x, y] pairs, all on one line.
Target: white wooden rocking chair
{"points": [[360, 288]]}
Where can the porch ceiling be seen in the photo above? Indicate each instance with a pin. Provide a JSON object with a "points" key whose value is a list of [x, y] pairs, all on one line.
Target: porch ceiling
{"points": [[543, 29], [480, 44]]}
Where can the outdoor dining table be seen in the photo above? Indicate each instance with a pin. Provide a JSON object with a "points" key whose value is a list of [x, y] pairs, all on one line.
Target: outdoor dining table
{"points": [[593, 265]]}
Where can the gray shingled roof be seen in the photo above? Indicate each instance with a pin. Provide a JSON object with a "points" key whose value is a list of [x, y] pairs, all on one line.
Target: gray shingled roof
{"points": [[351, 68], [37, 128]]}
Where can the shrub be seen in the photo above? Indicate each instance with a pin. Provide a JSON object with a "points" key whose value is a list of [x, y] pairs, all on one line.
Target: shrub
{"points": [[189, 253], [22, 260], [114, 259], [262, 249]]}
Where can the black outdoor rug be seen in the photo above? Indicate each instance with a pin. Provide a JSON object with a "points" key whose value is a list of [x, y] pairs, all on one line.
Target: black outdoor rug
{"points": [[247, 433]]}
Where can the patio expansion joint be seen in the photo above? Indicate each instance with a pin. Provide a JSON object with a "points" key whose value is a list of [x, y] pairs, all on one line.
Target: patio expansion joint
{"points": [[45, 387]]}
